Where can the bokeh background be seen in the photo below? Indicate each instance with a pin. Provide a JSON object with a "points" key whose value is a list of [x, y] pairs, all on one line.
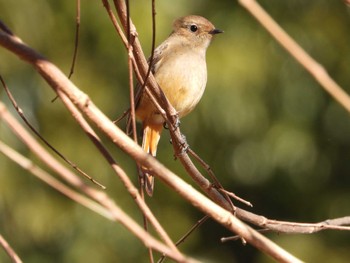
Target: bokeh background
{"points": [[271, 134]]}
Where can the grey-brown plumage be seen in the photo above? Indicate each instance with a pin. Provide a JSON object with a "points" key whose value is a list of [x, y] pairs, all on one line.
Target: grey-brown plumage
{"points": [[180, 69]]}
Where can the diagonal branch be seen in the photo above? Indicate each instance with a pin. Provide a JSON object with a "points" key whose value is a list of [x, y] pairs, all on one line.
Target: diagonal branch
{"points": [[53, 182], [311, 65], [9, 250]]}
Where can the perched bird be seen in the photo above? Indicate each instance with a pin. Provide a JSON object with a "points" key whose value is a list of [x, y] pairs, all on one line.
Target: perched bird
{"points": [[180, 69]]}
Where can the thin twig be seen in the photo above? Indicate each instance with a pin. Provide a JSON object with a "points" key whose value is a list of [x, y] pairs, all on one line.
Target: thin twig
{"points": [[150, 60], [9, 250], [76, 42], [217, 183], [141, 76], [115, 23], [234, 196], [235, 238], [133, 116], [187, 234], [131, 86], [4, 28], [53, 182], [311, 65], [342, 223], [30, 126]]}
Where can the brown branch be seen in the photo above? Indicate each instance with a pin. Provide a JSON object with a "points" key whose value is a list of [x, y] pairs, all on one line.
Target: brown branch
{"points": [[9, 250], [132, 117], [308, 228], [342, 223], [140, 77], [131, 91], [53, 182], [311, 65], [217, 183], [76, 42], [142, 65], [187, 234]]}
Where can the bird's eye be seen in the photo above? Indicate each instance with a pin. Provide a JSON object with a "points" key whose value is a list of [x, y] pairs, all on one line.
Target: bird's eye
{"points": [[193, 28]]}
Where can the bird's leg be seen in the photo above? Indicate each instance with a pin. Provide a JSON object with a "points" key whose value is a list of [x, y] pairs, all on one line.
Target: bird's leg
{"points": [[176, 124], [174, 121]]}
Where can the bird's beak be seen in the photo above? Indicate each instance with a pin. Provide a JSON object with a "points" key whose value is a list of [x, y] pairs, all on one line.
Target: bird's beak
{"points": [[215, 31]]}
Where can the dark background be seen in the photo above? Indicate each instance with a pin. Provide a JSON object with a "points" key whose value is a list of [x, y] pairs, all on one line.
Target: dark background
{"points": [[271, 134]]}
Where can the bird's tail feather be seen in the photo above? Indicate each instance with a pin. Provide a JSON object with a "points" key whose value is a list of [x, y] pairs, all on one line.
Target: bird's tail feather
{"points": [[151, 136]]}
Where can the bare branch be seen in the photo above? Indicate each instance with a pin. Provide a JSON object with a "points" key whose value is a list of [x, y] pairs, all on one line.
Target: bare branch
{"points": [[342, 223], [54, 183], [76, 42], [187, 234], [8, 249], [312, 66]]}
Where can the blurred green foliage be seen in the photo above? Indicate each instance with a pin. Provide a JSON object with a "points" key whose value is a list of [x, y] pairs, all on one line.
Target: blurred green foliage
{"points": [[269, 131]]}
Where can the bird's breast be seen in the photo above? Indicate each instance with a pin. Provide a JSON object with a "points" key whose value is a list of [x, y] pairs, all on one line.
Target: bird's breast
{"points": [[182, 77]]}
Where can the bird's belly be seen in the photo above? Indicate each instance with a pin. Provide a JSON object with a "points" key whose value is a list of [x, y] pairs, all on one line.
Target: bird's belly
{"points": [[183, 84]]}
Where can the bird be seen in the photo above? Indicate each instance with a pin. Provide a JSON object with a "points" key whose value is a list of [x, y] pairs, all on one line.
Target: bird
{"points": [[179, 67]]}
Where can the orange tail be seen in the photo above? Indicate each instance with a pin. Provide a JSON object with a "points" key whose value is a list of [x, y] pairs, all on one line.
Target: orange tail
{"points": [[151, 136]]}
